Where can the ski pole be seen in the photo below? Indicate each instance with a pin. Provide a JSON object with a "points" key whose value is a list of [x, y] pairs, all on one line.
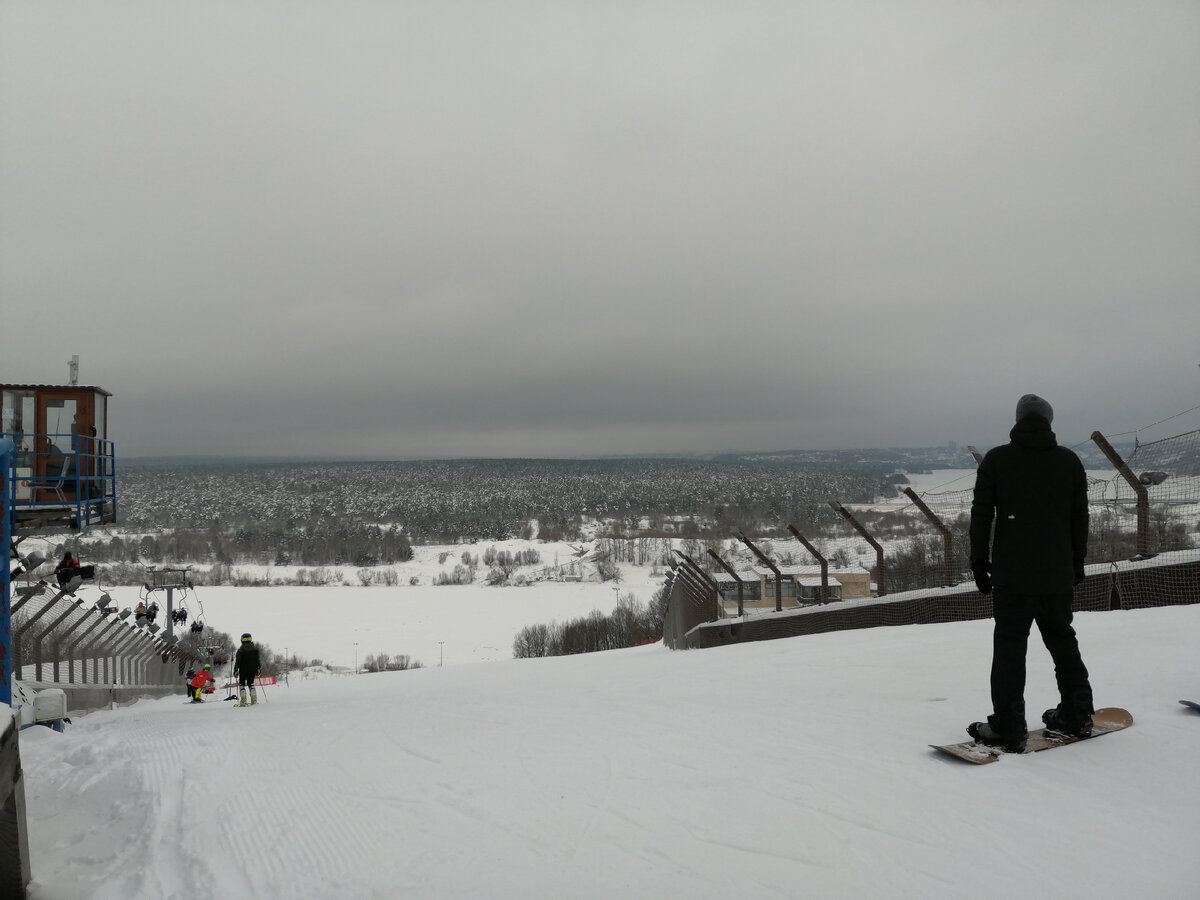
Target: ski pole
{"points": [[230, 685]]}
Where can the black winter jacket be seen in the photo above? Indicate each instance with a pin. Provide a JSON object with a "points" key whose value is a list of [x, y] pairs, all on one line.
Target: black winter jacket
{"points": [[246, 661], [1036, 493]]}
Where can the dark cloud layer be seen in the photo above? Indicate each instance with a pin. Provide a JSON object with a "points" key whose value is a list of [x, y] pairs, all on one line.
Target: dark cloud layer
{"points": [[545, 229]]}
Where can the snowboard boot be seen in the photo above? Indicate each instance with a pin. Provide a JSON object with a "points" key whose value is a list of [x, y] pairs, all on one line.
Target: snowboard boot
{"points": [[1073, 715], [1062, 721], [1010, 741]]}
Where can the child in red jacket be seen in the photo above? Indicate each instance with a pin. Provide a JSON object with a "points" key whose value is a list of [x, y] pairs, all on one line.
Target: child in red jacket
{"points": [[203, 677]]}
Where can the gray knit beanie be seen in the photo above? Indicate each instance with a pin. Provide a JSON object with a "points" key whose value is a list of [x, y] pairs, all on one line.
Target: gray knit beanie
{"points": [[1032, 404]]}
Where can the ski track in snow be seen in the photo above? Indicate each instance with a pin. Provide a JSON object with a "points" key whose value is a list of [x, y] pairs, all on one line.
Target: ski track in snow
{"points": [[259, 833]]}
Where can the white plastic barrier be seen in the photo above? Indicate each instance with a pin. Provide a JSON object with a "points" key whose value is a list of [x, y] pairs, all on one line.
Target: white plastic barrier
{"points": [[50, 705]]}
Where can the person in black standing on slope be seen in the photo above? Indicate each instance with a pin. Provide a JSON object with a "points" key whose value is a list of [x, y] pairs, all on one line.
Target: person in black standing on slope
{"points": [[245, 667], [1036, 494]]}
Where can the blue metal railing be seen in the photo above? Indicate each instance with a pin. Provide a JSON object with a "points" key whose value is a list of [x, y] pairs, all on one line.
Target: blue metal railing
{"points": [[68, 474], [6, 491]]}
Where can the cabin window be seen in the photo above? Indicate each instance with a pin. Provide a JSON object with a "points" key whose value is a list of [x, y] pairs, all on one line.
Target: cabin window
{"points": [[100, 415], [17, 419], [60, 424]]}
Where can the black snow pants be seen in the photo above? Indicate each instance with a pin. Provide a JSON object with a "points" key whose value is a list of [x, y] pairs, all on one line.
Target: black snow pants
{"points": [[1014, 615]]}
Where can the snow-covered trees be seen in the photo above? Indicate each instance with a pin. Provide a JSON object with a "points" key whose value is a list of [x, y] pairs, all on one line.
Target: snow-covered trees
{"points": [[629, 624]]}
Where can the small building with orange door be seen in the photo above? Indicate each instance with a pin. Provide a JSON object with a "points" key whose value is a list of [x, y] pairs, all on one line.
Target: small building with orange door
{"points": [[63, 458]]}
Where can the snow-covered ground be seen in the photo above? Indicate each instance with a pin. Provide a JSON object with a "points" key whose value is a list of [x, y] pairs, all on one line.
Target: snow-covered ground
{"points": [[447, 624], [433, 624], [791, 768]]}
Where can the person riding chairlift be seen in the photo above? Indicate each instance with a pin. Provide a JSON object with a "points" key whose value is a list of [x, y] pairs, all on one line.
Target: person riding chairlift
{"points": [[67, 569]]}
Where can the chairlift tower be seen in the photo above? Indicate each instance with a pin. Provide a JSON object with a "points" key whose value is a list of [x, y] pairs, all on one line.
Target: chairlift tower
{"points": [[169, 579]]}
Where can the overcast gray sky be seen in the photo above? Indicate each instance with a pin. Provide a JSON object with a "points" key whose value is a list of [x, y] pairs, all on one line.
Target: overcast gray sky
{"points": [[387, 229]]}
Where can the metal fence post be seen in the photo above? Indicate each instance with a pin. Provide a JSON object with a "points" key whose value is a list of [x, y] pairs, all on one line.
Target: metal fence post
{"points": [[821, 559], [766, 561], [98, 643], [119, 648], [75, 645], [724, 565], [866, 536], [58, 642], [947, 537], [1139, 490], [709, 586], [72, 607]]}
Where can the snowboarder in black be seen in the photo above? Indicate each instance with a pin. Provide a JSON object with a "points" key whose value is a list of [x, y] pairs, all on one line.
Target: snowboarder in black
{"points": [[246, 667], [1036, 494]]}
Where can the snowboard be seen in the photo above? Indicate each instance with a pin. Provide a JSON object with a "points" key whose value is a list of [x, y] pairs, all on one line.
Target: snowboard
{"points": [[1191, 704], [1104, 721]]}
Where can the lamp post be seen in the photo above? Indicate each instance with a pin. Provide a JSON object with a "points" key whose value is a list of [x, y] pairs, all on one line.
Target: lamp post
{"points": [[356, 657], [440, 643]]}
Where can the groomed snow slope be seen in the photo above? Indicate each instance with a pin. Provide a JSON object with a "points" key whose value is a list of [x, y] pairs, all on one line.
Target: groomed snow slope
{"points": [[792, 768]]}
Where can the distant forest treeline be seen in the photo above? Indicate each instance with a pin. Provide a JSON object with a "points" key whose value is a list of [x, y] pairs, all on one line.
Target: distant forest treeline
{"points": [[372, 514], [367, 514]]}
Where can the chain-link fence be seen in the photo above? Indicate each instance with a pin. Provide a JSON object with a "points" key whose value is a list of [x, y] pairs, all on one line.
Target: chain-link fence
{"points": [[66, 636], [1142, 551]]}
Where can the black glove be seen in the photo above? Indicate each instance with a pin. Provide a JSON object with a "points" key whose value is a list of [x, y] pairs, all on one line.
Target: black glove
{"points": [[1079, 573], [981, 569]]}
